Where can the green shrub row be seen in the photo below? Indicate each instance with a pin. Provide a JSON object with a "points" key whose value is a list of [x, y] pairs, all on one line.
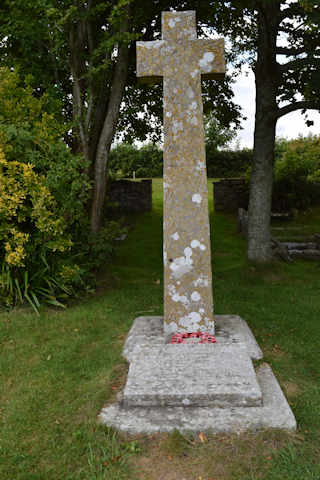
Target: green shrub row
{"points": [[227, 163], [147, 162]]}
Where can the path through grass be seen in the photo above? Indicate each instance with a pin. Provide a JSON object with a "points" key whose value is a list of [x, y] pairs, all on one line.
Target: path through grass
{"points": [[59, 369]]}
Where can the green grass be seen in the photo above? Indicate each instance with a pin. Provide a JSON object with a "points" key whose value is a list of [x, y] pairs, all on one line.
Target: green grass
{"points": [[59, 369]]}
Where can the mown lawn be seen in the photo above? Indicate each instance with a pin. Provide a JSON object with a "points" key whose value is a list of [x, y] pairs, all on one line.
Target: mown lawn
{"points": [[59, 369]]}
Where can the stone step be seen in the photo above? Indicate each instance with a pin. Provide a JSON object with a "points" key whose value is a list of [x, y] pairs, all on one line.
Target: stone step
{"points": [[194, 375], [274, 413]]}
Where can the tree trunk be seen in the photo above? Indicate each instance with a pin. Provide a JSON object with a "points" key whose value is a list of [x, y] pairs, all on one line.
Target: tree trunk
{"points": [[259, 241], [107, 134], [266, 77]]}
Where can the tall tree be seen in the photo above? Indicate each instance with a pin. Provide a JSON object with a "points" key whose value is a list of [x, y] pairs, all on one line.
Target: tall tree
{"points": [[279, 84], [280, 40], [79, 51], [83, 53]]}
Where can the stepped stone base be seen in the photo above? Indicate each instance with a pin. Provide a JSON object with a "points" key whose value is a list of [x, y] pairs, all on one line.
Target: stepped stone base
{"points": [[192, 374], [197, 387]]}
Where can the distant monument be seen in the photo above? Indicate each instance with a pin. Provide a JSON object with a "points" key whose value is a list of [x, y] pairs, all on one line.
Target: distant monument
{"points": [[190, 387], [181, 59]]}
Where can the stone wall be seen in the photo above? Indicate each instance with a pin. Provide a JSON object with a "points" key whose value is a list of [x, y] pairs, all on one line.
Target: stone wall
{"points": [[230, 194], [131, 196]]}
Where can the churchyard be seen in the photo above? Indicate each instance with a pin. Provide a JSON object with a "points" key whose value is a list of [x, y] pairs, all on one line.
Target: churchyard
{"points": [[100, 387], [58, 370]]}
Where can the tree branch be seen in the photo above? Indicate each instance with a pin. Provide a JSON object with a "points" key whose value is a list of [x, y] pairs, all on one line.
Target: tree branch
{"points": [[289, 51], [294, 9], [303, 105], [298, 63]]}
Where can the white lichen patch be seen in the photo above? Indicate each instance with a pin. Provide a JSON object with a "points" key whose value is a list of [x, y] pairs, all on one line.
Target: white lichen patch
{"points": [[169, 114], [176, 297], [154, 44], [194, 106], [177, 127], [202, 281], [172, 22], [165, 258], [209, 325], [196, 198], [190, 92], [195, 297], [188, 253], [171, 327], [191, 322], [180, 298], [194, 73], [206, 60], [197, 244], [175, 236], [181, 265], [200, 165]]}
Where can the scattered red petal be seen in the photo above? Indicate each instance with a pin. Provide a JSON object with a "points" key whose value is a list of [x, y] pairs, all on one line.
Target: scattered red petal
{"points": [[204, 337]]}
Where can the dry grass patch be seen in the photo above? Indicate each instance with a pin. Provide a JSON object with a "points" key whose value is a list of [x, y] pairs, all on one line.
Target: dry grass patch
{"points": [[292, 389], [117, 380], [220, 457]]}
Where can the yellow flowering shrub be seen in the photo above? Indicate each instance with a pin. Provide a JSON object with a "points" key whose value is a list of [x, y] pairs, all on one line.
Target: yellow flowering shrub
{"points": [[29, 223]]}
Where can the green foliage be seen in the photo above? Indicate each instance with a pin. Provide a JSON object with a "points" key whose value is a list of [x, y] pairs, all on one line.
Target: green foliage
{"points": [[46, 252], [216, 134], [297, 171], [31, 229], [31, 135], [145, 162], [228, 163]]}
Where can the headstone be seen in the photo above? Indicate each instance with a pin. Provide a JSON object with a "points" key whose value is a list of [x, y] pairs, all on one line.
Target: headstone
{"points": [[181, 59]]}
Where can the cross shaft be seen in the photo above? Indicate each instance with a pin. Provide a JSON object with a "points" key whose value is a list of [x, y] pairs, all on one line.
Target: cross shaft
{"points": [[180, 58]]}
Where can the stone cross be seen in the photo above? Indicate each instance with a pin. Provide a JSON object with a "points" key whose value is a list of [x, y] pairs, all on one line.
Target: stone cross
{"points": [[181, 60]]}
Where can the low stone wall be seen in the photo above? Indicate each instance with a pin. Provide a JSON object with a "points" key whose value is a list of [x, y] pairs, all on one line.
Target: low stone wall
{"points": [[230, 194], [131, 196]]}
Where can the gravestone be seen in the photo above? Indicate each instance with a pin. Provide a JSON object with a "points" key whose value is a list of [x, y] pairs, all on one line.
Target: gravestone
{"points": [[180, 59], [190, 387]]}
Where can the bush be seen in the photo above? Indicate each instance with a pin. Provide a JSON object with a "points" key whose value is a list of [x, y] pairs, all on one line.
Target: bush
{"points": [[31, 135], [46, 251], [227, 163], [297, 172], [31, 230], [146, 162]]}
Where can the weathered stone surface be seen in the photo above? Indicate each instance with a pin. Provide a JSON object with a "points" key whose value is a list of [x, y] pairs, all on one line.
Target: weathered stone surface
{"points": [[192, 375], [275, 413], [230, 330], [180, 58]]}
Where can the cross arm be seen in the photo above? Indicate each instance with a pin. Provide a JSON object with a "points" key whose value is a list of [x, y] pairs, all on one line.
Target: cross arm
{"points": [[211, 58], [150, 61]]}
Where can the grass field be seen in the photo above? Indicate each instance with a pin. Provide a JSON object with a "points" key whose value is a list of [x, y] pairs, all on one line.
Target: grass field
{"points": [[59, 369]]}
